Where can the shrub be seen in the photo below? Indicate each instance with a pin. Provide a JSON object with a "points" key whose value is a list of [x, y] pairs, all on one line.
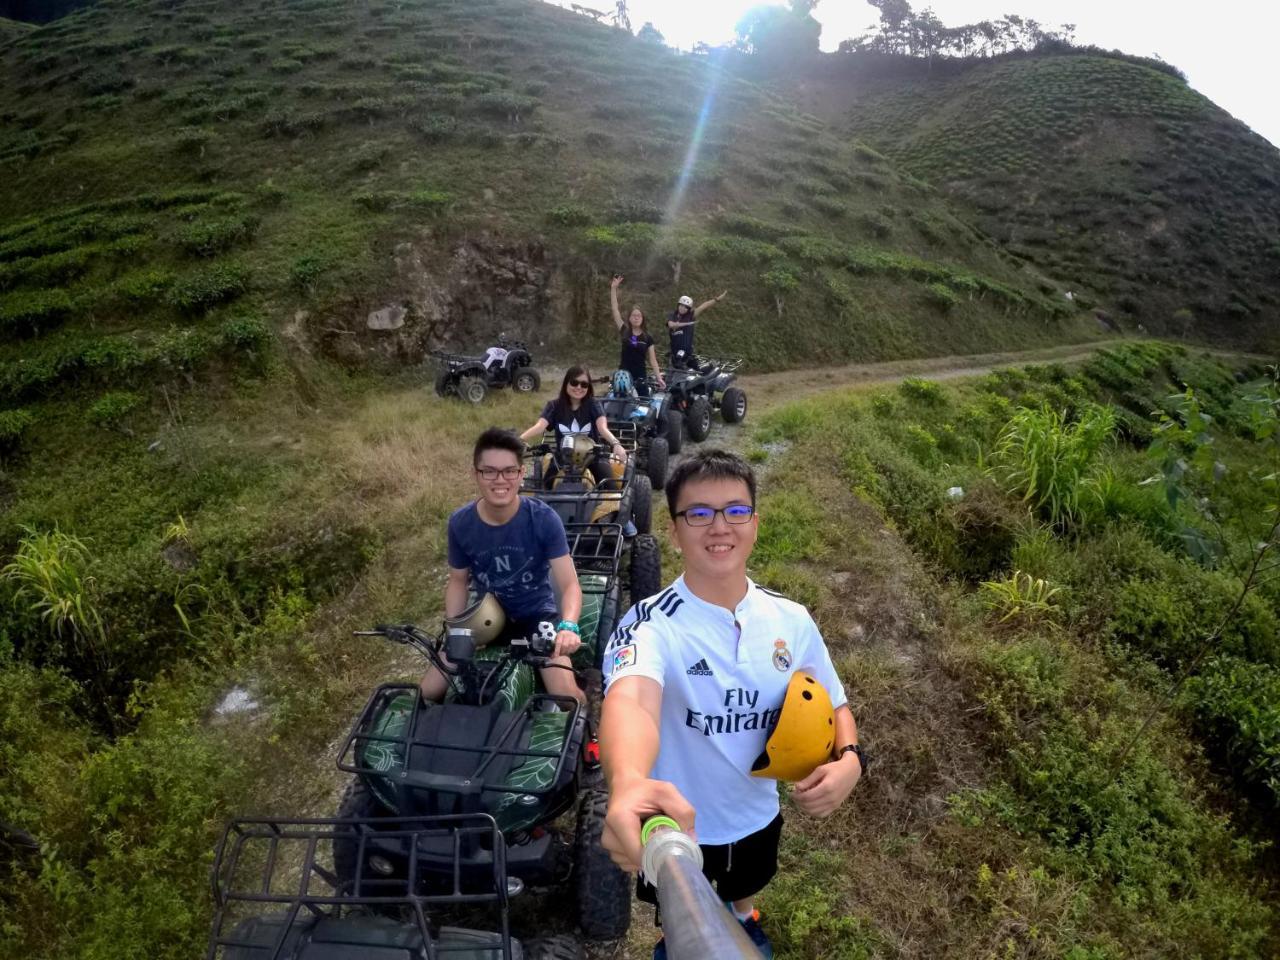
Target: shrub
{"points": [[191, 140], [942, 296], [634, 210], [146, 286], [111, 408], [505, 104], [208, 286], [570, 215], [925, 391], [210, 237], [244, 333], [375, 200], [307, 269], [32, 310], [1237, 709], [368, 156], [829, 205], [13, 424], [286, 65]]}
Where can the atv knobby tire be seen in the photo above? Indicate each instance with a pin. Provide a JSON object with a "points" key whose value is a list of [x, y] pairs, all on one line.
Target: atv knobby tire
{"points": [[525, 380], [642, 503], [697, 419], [646, 568], [603, 890], [443, 385], [473, 389], [673, 430], [560, 947], [357, 801], [656, 464], [733, 405]]}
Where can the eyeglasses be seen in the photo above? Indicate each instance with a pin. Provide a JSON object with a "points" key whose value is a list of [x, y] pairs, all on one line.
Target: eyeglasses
{"points": [[584, 384], [705, 516], [493, 473]]}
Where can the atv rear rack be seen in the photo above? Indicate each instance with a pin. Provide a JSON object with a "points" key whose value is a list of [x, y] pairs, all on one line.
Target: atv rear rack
{"points": [[595, 548], [258, 859]]}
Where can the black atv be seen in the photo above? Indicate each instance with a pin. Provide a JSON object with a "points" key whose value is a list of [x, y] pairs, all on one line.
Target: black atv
{"points": [[705, 386], [279, 895], [497, 747], [658, 429], [506, 364], [589, 512]]}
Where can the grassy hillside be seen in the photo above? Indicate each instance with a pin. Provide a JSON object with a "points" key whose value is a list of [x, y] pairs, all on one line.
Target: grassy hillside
{"points": [[1114, 177], [485, 165], [11, 29]]}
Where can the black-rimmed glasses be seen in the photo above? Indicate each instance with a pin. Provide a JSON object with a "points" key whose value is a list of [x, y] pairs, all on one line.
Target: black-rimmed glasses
{"points": [[705, 516], [493, 473]]}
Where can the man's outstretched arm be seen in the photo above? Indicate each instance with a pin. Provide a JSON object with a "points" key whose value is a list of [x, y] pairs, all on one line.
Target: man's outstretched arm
{"points": [[629, 740]]}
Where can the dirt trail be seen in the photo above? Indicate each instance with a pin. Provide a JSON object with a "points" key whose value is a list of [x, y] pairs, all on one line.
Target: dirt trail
{"points": [[767, 390]]}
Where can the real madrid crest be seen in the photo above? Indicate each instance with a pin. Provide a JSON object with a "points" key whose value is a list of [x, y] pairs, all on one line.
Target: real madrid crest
{"points": [[781, 656]]}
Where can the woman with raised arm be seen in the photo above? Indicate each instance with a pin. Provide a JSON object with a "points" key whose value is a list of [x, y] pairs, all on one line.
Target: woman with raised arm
{"points": [[576, 412], [680, 323], [637, 343]]}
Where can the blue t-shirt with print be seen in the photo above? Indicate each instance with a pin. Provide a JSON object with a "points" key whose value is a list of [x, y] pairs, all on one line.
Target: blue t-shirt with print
{"points": [[511, 561]]}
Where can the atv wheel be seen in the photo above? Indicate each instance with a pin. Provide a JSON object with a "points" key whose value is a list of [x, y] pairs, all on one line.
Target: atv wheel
{"points": [[443, 383], [357, 801], [733, 405], [525, 380], [646, 568], [673, 430], [562, 947], [657, 464], [603, 890], [642, 502], [473, 389], [697, 419]]}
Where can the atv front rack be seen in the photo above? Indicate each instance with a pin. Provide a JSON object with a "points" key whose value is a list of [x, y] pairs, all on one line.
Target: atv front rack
{"points": [[289, 863]]}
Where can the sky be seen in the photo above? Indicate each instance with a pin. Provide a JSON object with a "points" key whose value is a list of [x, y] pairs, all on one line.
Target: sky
{"points": [[1226, 48]]}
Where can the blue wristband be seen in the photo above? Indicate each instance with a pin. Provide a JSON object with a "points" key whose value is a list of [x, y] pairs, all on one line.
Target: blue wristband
{"points": [[568, 625]]}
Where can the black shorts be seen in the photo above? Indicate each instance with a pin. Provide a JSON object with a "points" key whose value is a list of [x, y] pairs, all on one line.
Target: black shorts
{"points": [[737, 870]]}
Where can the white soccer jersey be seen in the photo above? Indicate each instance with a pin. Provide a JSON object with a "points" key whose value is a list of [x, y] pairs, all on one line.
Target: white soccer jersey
{"points": [[724, 674]]}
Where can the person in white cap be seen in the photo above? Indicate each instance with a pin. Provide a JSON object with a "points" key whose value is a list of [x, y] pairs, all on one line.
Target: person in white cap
{"points": [[680, 323]]}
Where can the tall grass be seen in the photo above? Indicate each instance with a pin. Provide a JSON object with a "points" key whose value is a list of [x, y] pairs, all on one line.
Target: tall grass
{"points": [[1044, 458]]}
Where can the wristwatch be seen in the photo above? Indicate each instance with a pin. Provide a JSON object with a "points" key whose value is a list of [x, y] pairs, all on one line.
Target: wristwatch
{"points": [[857, 751]]}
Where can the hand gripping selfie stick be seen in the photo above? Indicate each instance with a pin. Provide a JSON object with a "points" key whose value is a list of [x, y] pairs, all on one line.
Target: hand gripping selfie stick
{"points": [[695, 922]]}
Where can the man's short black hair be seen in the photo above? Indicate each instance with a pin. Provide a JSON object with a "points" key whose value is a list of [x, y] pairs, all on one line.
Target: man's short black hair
{"points": [[495, 438], [710, 465]]}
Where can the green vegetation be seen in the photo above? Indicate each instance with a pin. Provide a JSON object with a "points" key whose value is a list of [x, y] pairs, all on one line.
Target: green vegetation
{"points": [[1161, 204], [1118, 810]]}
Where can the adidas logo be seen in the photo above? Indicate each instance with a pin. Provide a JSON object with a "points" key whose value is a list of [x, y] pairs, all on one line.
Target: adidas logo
{"points": [[700, 669]]}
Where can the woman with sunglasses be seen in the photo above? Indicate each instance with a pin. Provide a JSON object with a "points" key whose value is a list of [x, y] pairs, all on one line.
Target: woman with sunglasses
{"points": [[576, 412]]}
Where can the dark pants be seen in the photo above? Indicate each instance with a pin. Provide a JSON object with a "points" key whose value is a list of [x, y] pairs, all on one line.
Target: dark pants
{"points": [[737, 870]]}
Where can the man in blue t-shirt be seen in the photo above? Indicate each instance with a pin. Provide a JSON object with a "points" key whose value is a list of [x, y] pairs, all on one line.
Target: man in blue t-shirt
{"points": [[515, 548]]}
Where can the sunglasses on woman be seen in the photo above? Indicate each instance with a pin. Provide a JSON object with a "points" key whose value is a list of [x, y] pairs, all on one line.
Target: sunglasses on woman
{"points": [[580, 383]]}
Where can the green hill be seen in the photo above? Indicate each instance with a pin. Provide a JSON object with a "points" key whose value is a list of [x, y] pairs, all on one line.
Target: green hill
{"points": [[10, 29], [188, 178], [1114, 177]]}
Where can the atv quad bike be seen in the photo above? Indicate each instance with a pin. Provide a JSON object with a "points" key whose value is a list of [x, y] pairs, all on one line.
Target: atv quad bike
{"points": [[279, 896], [659, 431], [706, 386], [594, 517], [495, 747], [506, 364]]}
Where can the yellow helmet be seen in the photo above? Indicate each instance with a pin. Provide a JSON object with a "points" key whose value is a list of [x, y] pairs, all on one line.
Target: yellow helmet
{"points": [[485, 619], [804, 734]]}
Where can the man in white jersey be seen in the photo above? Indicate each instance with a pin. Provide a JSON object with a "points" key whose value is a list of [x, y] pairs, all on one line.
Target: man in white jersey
{"points": [[695, 678]]}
